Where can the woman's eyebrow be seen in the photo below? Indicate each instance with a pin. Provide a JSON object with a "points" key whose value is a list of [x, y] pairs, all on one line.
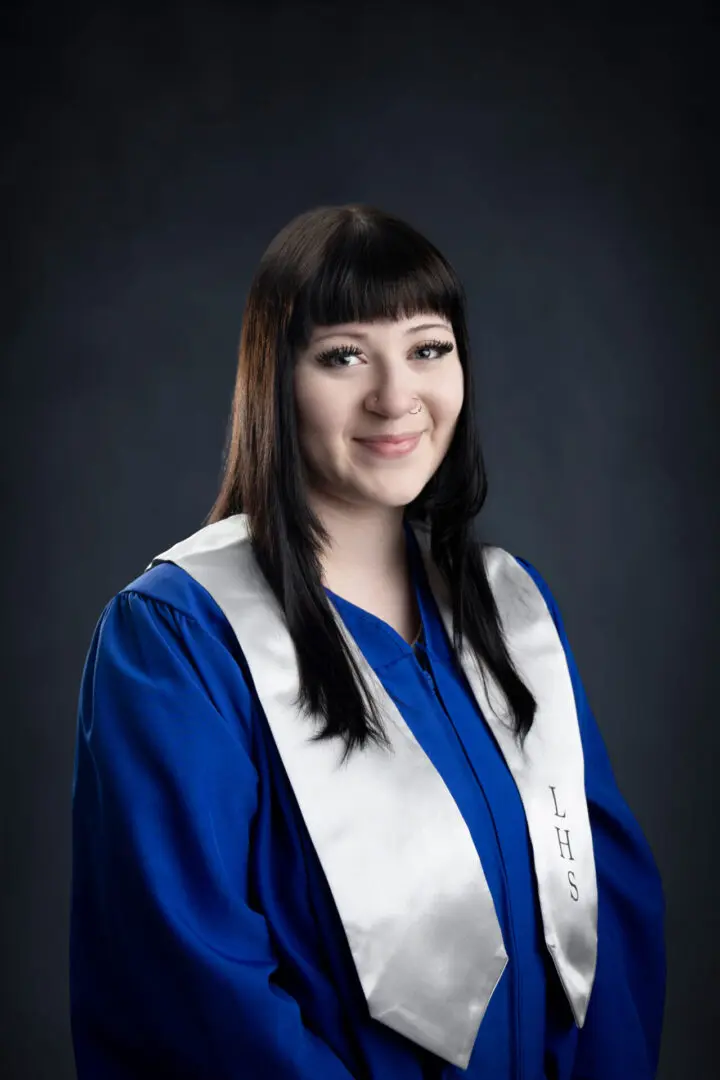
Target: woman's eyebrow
{"points": [[364, 334]]}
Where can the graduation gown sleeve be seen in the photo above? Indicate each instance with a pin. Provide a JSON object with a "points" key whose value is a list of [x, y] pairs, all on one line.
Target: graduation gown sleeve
{"points": [[621, 1035], [171, 966]]}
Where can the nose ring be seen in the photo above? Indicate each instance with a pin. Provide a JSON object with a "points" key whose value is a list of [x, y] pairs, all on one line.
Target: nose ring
{"points": [[413, 412]]}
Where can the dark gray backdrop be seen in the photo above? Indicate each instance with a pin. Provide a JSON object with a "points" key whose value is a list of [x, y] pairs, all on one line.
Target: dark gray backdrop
{"points": [[567, 170]]}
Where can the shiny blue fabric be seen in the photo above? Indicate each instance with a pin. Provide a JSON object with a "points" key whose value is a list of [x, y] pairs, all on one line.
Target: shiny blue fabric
{"points": [[204, 938]]}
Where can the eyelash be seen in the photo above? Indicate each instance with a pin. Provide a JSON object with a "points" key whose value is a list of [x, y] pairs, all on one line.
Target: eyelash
{"points": [[325, 358]]}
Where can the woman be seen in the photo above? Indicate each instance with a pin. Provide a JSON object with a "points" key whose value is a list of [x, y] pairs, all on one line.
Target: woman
{"points": [[341, 808]]}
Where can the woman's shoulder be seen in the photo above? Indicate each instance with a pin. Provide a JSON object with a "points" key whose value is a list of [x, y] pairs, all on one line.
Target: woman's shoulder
{"points": [[532, 570], [162, 638], [505, 557], [171, 595]]}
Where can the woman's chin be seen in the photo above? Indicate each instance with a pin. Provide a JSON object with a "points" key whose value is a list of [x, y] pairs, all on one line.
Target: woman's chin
{"points": [[394, 493]]}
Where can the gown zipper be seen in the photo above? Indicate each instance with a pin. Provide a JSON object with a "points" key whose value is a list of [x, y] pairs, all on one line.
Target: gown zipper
{"points": [[423, 662]]}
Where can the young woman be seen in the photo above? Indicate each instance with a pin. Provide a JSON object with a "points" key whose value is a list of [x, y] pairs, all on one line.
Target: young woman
{"points": [[341, 808]]}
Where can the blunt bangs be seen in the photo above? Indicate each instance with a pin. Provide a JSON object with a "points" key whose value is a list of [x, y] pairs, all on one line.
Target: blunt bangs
{"points": [[370, 269]]}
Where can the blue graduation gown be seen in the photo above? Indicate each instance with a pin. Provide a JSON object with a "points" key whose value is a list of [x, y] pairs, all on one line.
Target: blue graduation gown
{"points": [[204, 937]]}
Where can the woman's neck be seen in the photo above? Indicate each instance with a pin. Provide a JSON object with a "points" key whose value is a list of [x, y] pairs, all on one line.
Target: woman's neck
{"points": [[367, 563], [366, 543]]}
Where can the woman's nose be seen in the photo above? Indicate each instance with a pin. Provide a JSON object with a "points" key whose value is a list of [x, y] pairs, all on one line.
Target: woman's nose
{"points": [[392, 398]]}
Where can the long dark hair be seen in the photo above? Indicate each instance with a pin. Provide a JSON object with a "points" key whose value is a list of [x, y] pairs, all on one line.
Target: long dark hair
{"points": [[333, 265]]}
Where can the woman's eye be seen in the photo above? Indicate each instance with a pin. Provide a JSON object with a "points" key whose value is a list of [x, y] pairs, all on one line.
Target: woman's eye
{"points": [[440, 347], [330, 357]]}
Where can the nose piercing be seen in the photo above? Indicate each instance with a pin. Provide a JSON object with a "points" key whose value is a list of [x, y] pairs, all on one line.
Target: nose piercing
{"points": [[413, 412]]}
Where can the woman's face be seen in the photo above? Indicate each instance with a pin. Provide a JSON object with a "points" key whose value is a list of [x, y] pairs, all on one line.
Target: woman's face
{"points": [[359, 381]]}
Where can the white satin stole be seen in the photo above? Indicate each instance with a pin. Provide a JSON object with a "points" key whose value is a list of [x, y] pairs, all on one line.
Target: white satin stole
{"points": [[404, 872]]}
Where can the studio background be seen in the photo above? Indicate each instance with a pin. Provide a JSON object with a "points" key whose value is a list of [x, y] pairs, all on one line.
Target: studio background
{"points": [[567, 170]]}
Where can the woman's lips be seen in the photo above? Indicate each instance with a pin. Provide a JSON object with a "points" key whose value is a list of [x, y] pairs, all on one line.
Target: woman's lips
{"points": [[393, 446]]}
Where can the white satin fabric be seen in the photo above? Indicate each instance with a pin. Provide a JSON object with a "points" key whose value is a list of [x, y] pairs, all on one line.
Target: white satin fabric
{"points": [[397, 854], [549, 770]]}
